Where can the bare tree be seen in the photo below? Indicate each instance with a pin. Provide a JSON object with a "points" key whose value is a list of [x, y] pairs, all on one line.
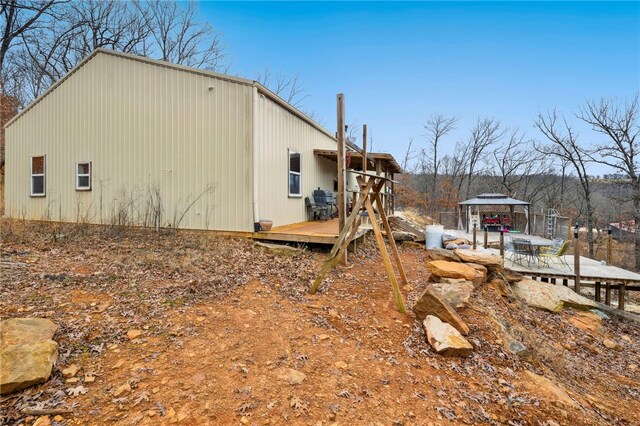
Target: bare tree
{"points": [[18, 18], [287, 87], [436, 127], [518, 163], [484, 134], [564, 145], [181, 38], [620, 123]]}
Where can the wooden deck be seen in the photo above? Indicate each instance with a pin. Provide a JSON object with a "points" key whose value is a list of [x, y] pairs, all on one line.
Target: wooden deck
{"points": [[315, 232]]}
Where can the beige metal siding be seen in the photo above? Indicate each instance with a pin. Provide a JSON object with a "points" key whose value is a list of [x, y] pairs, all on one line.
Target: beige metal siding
{"points": [[278, 130], [143, 127]]}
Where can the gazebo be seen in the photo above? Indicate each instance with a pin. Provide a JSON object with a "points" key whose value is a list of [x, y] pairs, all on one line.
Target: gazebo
{"points": [[491, 200]]}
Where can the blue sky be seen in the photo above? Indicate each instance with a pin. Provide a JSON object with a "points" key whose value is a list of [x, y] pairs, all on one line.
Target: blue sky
{"points": [[397, 63]]}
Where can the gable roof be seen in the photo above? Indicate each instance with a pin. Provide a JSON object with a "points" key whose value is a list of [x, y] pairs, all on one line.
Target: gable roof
{"points": [[239, 80]]}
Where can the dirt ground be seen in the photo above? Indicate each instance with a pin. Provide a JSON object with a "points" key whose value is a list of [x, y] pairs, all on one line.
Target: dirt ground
{"points": [[195, 329]]}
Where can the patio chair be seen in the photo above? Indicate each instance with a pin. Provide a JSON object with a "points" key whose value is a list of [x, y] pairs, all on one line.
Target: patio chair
{"points": [[523, 250], [315, 211], [549, 254]]}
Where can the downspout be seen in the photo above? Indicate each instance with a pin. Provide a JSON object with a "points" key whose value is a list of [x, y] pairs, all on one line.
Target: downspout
{"points": [[254, 147]]}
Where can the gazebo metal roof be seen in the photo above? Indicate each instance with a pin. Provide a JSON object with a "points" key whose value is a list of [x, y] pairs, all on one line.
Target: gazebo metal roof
{"points": [[493, 200]]}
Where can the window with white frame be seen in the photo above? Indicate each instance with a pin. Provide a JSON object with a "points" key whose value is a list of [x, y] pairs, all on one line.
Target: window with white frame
{"points": [[38, 168], [295, 187], [83, 176]]}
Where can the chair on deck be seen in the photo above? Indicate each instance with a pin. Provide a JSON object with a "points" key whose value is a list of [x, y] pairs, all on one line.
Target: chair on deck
{"points": [[315, 211], [523, 250], [548, 254]]}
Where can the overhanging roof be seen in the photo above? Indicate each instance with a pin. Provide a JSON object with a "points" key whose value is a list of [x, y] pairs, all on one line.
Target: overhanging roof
{"points": [[389, 164], [493, 200]]}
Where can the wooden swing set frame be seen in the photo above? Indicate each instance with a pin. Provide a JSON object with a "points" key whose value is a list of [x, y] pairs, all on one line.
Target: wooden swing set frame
{"points": [[370, 187]]}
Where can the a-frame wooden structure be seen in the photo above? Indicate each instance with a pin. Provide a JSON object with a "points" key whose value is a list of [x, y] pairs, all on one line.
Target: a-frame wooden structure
{"points": [[370, 187]]}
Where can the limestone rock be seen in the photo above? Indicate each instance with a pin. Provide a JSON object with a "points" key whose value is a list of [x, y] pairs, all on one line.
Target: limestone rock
{"points": [[26, 364], [20, 330], [610, 344], [442, 254], [445, 339], [454, 240], [456, 294], [500, 285], [587, 321], [546, 386], [480, 257], [291, 376], [481, 273], [134, 334], [27, 352], [446, 269], [548, 296], [431, 303]]}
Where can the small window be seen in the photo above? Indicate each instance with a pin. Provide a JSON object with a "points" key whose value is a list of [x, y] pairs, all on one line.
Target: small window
{"points": [[38, 168], [294, 174], [83, 176]]}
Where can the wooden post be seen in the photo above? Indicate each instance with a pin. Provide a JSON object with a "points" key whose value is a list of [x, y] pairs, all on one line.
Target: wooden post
{"points": [[365, 160], [385, 257], [576, 259], [475, 228], [486, 237], [392, 242], [502, 244], [607, 293], [621, 295], [341, 168], [609, 246], [598, 291]]}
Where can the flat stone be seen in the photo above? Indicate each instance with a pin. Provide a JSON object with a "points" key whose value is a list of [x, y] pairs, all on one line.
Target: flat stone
{"points": [[26, 365], [610, 344], [546, 386], [480, 257], [291, 376], [28, 354], [456, 294], [442, 254], [587, 321], [446, 269], [481, 273], [455, 240], [548, 296], [432, 303], [500, 285], [15, 331], [445, 339], [134, 334]]}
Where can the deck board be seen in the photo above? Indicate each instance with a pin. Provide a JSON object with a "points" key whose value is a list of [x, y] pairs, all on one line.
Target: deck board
{"points": [[317, 232]]}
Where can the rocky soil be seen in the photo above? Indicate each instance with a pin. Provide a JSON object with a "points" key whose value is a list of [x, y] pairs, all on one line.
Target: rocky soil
{"points": [[194, 329]]}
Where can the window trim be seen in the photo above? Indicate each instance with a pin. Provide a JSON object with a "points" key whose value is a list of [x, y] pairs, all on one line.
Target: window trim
{"points": [[43, 174], [299, 174], [79, 175]]}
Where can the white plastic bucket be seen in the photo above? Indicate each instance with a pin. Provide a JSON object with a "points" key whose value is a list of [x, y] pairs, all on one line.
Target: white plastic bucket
{"points": [[433, 236]]}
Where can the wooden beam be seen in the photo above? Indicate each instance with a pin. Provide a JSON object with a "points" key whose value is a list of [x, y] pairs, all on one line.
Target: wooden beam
{"points": [[576, 261], [341, 167], [339, 248], [364, 148], [392, 242], [385, 257]]}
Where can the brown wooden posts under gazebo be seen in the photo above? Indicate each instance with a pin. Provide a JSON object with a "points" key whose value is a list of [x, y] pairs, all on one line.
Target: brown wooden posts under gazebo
{"points": [[494, 200]]}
